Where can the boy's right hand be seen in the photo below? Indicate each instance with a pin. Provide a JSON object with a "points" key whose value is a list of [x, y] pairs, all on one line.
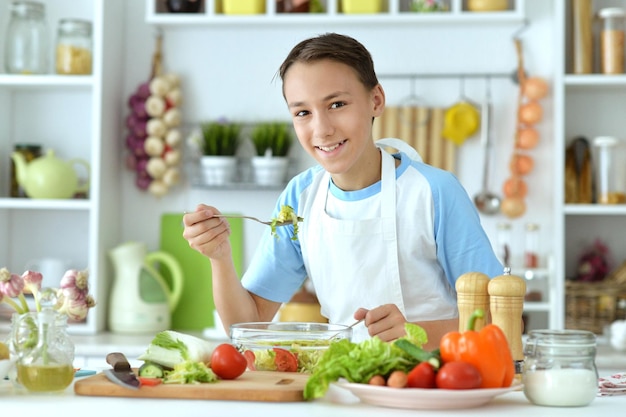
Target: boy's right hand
{"points": [[207, 234]]}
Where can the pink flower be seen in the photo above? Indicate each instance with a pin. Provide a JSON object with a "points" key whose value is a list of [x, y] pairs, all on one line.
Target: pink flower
{"points": [[77, 279], [32, 281], [11, 285], [77, 309], [68, 279], [72, 299], [73, 293]]}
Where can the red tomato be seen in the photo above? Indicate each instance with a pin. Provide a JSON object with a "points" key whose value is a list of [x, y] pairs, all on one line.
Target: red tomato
{"points": [[227, 362], [250, 358], [285, 361], [149, 382], [458, 375], [422, 376]]}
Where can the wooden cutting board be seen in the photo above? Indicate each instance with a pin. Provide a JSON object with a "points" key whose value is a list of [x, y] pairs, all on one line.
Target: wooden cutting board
{"points": [[251, 386]]}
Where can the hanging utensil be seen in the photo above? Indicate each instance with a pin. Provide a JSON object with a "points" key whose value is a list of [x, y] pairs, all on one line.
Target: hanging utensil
{"points": [[461, 119], [486, 202]]}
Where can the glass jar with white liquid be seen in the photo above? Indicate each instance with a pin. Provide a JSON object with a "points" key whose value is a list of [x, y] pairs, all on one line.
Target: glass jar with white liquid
{"points": [[559, 368]]}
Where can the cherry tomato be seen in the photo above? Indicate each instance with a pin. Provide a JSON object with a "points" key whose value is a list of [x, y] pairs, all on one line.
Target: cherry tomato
{"points": [[250, 358], [458, 375], [422, 376], [149, 382], [227, 362], [285, 361]]}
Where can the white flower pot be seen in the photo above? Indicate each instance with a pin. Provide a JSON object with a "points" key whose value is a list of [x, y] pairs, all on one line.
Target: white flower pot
{"points": [[270, 170], [218, 170]]}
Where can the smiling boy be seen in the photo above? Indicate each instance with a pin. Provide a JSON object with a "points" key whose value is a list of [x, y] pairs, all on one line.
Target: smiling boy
{"points": [[384, 237]]}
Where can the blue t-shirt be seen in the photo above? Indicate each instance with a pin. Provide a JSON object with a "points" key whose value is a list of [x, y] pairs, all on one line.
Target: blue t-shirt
{"points": [[433, 211]]}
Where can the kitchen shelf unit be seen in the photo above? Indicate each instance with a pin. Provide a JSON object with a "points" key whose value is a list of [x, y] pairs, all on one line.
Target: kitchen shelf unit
{"points": [[394, 12], [78, 117], [586, 105]]}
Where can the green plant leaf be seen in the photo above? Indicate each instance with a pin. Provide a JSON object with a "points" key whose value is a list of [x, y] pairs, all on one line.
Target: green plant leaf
{"points": [[273, 135]]}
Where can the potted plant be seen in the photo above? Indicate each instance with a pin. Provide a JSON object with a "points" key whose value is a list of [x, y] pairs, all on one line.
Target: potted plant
{"points": [[272, 141], [219, 144]]}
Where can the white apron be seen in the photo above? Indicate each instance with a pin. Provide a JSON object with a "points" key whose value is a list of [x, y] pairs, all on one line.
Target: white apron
{"points": [[353, 263]]}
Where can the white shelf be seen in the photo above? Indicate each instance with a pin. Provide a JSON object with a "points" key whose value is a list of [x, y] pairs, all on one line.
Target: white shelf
{"points": [[44, 204], [579, 225], [45, 81], [537, 306], [594, 80], [77, 116], [391, 14], [595, 209]]}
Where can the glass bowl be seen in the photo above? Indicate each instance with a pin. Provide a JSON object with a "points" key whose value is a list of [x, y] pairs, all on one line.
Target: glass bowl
{"points": [[286, 346]]}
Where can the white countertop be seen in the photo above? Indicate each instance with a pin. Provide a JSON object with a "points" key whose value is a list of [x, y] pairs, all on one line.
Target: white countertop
{"points": [[338, 401]]}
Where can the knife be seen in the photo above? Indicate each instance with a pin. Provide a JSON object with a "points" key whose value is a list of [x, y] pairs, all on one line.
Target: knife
{"points": [[121, 374]]}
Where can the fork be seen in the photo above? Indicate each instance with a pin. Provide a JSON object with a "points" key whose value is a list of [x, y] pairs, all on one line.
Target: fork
{"points": [[236, 216], [349, 327]]}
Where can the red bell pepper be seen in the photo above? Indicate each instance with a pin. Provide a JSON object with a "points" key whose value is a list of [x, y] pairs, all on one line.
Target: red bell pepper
{"points": [[488, 350]]}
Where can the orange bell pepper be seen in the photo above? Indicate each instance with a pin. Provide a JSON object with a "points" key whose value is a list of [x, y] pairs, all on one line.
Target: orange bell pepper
{"points": [[487, 349]]}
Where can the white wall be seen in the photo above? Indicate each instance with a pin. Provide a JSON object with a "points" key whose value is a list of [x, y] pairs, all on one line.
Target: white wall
{"points": [[228, 71]]}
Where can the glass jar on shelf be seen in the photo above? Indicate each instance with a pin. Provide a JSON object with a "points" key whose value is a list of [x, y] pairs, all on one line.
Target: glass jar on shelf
{"points": [[610, 170], [26, 47], [612, 40], [531, 246], [74, 47], [503, 237]]}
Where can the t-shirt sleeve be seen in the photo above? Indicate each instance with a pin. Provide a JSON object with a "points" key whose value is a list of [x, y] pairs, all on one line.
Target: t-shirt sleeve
{"points": [[276, 270], [462, 244]]}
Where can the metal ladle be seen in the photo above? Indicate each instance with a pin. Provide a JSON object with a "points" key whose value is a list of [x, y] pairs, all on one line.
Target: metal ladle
{"points": [[486, 202]]}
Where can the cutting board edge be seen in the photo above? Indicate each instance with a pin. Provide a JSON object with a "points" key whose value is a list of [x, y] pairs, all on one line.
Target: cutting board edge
{"points": [[99, 386]]}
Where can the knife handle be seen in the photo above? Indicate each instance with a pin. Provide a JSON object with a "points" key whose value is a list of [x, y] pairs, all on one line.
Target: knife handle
{"points": [[118, 361]]}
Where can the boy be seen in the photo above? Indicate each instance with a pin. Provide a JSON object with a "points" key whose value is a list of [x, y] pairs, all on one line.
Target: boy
{"points": [[384, 237]]}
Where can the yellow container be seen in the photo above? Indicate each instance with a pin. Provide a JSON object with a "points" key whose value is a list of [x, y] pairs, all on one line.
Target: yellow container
{"points": [[362, 6], [487, 5], [243, 6]]}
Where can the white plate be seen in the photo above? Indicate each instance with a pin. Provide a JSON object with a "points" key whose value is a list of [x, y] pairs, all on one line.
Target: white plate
{"points": [[424, 399]]}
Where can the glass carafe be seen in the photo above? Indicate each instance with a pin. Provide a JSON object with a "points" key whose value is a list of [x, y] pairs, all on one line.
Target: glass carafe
{"points": [[44, 352]]}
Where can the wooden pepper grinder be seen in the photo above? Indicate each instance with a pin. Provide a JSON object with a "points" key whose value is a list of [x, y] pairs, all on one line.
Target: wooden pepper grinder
{"points": [[506, 300], [471, 290]]}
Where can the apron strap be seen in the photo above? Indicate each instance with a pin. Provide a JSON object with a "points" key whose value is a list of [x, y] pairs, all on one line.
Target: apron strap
{"points": [[400, 145]]}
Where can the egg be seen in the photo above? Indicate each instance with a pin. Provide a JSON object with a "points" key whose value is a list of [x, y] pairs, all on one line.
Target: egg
{"points": [[515, 187], [530, 113], [521, 164], [527, 138], [535, 88]]}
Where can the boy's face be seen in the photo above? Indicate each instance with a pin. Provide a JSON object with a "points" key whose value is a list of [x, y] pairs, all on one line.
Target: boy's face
{"points": [[332, 115]]}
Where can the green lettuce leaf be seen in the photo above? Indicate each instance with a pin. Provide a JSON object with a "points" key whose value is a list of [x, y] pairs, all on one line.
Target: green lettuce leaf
{"points": [[359, 362]]}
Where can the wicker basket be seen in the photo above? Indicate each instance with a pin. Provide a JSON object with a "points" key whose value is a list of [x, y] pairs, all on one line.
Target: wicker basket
{"points": [[593, 305]]}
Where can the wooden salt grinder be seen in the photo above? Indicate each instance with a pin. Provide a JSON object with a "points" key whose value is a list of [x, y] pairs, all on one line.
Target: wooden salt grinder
{"points": [[506, 299], [471, 290]]}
